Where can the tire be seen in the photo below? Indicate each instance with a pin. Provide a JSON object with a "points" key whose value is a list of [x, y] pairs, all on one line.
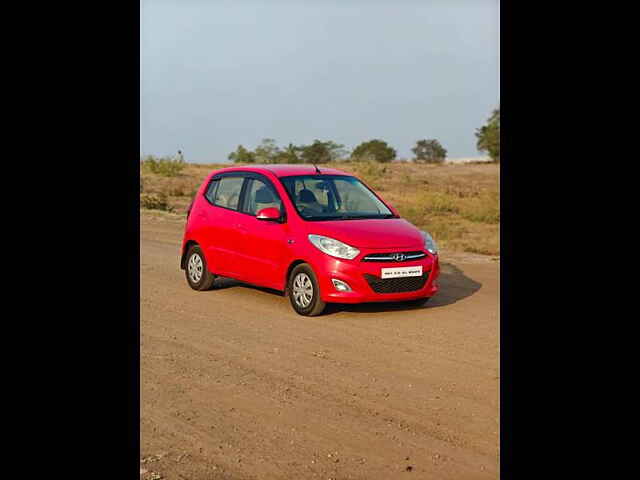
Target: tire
{"points": [[303, 280], [419, 302], [196, 264]]}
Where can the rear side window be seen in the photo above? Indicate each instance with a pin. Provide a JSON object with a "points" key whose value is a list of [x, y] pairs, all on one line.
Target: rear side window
{"points": [[227, 193], [210, 194]]}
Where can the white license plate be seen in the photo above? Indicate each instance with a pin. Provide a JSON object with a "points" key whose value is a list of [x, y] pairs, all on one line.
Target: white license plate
{"points": [[399, 272]]}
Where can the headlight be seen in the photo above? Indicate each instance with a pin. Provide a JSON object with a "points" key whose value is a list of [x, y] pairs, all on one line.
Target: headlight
{"points": [[429, 243], [333, 247]]}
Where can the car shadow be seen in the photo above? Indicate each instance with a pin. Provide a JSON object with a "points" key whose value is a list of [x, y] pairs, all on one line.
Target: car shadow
{"points": [[453, 284], [222, 283]]}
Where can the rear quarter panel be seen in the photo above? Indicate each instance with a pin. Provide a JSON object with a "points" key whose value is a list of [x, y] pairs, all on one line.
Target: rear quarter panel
{"points": [[193, 227]]}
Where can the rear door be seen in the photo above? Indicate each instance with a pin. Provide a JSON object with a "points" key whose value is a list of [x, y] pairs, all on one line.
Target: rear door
{"points": [[222, 234]]}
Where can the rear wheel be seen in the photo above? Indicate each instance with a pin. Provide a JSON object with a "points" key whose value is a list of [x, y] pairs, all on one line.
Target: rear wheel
{"points": [[304, 292], [198, 275]]}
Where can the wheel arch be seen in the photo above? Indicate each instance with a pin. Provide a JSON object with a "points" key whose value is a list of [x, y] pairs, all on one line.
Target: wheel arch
{"points": [[292, 265], [186, 248]]}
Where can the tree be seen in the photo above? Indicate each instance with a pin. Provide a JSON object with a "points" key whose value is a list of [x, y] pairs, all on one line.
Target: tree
{"points": [[267, 151], [321, 152], [291, 154], [429, 151], [374, 150], [336, 150], [317, 152], [489, 136], [242, 155]]}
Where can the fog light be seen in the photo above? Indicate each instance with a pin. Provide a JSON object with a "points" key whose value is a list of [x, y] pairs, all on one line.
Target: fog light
{"points": [[340, 285]]}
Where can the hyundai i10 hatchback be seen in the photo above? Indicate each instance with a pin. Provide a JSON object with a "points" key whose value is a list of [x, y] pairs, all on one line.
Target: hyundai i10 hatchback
{"points": [[319, 235]]}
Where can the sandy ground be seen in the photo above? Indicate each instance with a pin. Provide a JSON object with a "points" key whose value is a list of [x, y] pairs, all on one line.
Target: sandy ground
{"points": [[235, 385]]}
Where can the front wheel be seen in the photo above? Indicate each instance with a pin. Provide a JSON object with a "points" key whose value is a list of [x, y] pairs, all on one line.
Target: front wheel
{"points": [[304, 292]]}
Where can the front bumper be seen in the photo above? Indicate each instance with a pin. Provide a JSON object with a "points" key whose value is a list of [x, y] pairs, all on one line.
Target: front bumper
{"points": [[353, 272]]}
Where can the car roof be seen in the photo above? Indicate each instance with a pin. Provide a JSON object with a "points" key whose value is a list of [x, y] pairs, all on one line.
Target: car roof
{"points": [[284, 170]]}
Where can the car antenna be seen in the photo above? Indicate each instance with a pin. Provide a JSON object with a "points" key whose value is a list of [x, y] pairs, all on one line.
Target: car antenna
{"points": [[316, 167]]}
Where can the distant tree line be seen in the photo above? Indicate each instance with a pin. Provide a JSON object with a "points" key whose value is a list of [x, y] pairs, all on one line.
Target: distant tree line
{"points": [[318, 152], [269, 152], [376, 150]]}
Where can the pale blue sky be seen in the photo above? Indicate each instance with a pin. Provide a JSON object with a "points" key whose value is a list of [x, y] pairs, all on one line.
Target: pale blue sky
{"points": [[215, 74]]}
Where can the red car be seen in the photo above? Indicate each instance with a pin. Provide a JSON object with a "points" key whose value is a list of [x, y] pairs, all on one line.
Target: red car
{"points": [[319, 235]]}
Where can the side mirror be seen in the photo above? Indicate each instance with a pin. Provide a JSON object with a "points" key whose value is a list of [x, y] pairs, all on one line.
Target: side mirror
{"points": [[270, 214]]}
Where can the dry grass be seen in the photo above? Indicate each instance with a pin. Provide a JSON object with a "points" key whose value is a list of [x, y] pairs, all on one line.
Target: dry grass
{"points": [[155, 201], [457, 203]]}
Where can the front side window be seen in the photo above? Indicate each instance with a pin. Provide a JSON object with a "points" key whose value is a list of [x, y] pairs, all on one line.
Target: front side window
{"points": [[260, 195], [333, 197], [227, 194]]}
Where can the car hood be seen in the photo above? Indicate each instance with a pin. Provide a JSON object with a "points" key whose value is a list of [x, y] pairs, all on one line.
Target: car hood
{"points": [[371, 233]]}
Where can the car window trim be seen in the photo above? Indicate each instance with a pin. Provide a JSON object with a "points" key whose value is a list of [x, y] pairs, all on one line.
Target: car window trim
{"points": [[218, 178], [243, 190], [217, 181]]}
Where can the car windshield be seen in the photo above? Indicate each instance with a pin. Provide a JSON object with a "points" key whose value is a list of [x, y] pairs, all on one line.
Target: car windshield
{"points": [[333, 197]]}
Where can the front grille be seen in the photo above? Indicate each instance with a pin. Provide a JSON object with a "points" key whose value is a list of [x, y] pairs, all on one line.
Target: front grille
{"points": [[396, 285], [389, 257]]}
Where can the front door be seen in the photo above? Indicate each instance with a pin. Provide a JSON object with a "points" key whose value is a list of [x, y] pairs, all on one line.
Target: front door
{"points": [[264, 255]]}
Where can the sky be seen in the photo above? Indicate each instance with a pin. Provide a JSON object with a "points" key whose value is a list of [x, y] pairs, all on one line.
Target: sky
{"points": [[215, 74]]}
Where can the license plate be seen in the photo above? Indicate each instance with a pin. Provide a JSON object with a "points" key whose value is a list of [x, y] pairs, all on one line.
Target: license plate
{"points": [[400, 272]]}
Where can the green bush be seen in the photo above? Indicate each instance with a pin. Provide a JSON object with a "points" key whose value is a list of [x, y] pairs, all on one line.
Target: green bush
{"points": [[164, 166]]}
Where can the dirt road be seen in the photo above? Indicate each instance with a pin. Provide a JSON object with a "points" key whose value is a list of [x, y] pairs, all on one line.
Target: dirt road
{"points": [[235, 385]]}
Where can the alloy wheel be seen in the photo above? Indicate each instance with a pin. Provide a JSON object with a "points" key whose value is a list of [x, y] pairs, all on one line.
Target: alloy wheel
{"points": [[195, 268], [302, 290]]}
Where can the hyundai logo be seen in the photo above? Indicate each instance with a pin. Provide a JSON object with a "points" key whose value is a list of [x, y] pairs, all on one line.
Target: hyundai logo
{"points": [[399, 257]]}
